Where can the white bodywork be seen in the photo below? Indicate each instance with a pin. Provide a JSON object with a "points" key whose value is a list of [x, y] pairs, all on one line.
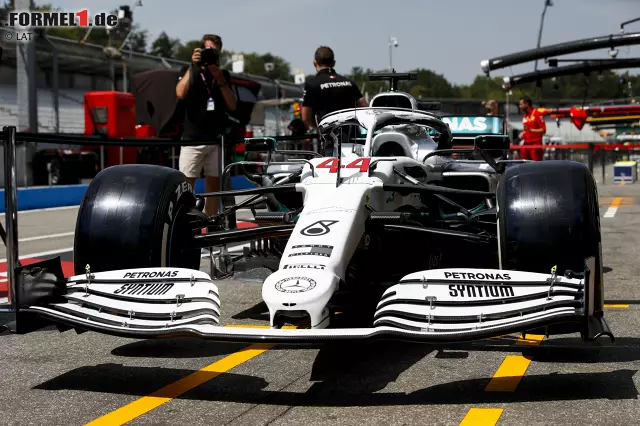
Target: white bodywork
{"points": [[314, 263], [438, 304], [416, 295]]}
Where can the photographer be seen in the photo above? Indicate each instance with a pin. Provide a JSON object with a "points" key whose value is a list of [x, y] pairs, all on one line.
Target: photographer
{"points": [[206, 92]]}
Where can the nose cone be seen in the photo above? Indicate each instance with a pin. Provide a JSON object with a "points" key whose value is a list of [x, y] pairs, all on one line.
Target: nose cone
{"points": [[300, 289]]}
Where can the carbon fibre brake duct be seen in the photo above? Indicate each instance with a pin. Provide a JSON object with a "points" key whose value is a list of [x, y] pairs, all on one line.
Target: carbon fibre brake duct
{"points": [[565, 48]]}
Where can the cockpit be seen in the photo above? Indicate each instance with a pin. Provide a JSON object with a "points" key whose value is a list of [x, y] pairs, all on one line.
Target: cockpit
{"points": [[399, 128]]}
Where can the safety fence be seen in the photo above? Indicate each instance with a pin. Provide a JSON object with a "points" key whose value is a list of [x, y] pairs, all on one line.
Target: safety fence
{"points": [[595, 155], [46, 159]]}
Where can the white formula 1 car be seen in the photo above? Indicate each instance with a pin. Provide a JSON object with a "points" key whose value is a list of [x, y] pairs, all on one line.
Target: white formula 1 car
{"points": [[398, 230]]}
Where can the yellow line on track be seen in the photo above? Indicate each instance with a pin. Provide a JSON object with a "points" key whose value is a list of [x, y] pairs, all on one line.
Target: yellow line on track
{"points": [[513, 368], [616, 306], [530, 340], [506, 379], [482, 417], [173, 390]]}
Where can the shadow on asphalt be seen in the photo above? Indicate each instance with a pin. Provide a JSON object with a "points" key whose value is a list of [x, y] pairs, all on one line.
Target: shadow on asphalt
{"points": [[572, 350], [176, 348], [260, 312], [370, 367], [344, 367], [339, 356], [355, 374], [353, 388], [623, 302], [564, 350]]}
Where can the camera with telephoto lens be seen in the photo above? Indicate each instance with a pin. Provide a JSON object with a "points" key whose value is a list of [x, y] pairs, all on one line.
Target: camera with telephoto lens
{"points": [[208, 56]]}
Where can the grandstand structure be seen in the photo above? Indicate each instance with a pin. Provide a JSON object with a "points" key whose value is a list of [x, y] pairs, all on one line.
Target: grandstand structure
{"points": [[66, 70], [80, 68], [83, 67]]}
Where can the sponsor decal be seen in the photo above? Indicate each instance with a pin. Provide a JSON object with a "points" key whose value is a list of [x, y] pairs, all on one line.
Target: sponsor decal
{"points": [[480, 276], [181, 189], [144, 289], [362, 164], [321, 227], [295, 285], [327, 210], [304, 266], [336, 84], [474, 125], [471, 290], [156, 274], [312, 250]]}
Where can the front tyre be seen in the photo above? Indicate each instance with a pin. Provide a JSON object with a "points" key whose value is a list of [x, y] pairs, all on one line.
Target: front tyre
{"points": [[135, 216], [548, 214]]}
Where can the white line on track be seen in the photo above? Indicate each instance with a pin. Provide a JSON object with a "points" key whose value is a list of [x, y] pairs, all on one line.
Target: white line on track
{"points": [[611, 212], [45, 237], [48, 209], [613, 208], [42, 253]]}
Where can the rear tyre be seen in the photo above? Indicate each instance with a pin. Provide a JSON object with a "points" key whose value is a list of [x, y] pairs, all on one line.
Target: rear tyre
{"points": [[549, 215], [135, 216]]}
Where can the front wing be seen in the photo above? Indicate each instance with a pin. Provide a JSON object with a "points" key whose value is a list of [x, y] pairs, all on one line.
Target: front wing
{"points": [[438, 306]]}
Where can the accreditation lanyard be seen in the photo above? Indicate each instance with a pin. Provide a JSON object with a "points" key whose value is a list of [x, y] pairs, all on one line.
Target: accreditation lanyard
{"points": [[210, 104]]}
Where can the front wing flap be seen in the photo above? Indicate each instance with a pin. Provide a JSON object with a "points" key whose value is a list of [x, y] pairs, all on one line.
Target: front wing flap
{"points": [[439, 306]]}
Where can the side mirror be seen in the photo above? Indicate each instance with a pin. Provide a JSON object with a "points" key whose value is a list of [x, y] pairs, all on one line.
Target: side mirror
{"points": [[259, 144], [492, 142], [495, 146]]}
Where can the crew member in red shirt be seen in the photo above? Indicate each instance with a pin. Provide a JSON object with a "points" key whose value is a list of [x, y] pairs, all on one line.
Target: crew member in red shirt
{"points": [[534, 129]]}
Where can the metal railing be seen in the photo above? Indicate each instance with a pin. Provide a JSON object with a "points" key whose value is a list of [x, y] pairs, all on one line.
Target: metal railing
{"points": [[592, 154]]}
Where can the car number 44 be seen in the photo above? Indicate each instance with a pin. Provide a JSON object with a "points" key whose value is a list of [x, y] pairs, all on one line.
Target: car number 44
{"points": [[332, 165]]}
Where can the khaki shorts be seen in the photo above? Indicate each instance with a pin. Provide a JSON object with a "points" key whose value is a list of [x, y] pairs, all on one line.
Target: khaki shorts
{"points": [[194, 158]]}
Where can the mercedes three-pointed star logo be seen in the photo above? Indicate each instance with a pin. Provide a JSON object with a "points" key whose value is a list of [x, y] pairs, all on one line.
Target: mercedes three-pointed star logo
{"points": [[295, 285]]}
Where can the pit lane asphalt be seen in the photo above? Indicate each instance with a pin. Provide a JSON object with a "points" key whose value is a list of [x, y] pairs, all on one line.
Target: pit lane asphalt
{"points": [[49, 377]]}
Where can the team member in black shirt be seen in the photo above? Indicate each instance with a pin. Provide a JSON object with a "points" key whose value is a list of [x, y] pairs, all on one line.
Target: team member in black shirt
{"points": [[207, 96], [328, 91]]}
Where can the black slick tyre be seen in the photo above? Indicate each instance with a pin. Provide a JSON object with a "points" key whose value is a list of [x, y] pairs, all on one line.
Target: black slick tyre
{"points": [[548, 215], [135, 216]]}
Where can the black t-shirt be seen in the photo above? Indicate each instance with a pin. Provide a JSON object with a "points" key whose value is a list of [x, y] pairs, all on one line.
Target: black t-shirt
{"points": [[328, 91], [198, 122]]}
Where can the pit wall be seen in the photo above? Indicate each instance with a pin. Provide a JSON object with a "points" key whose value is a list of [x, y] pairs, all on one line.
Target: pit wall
{"points": [[46, 197]]}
